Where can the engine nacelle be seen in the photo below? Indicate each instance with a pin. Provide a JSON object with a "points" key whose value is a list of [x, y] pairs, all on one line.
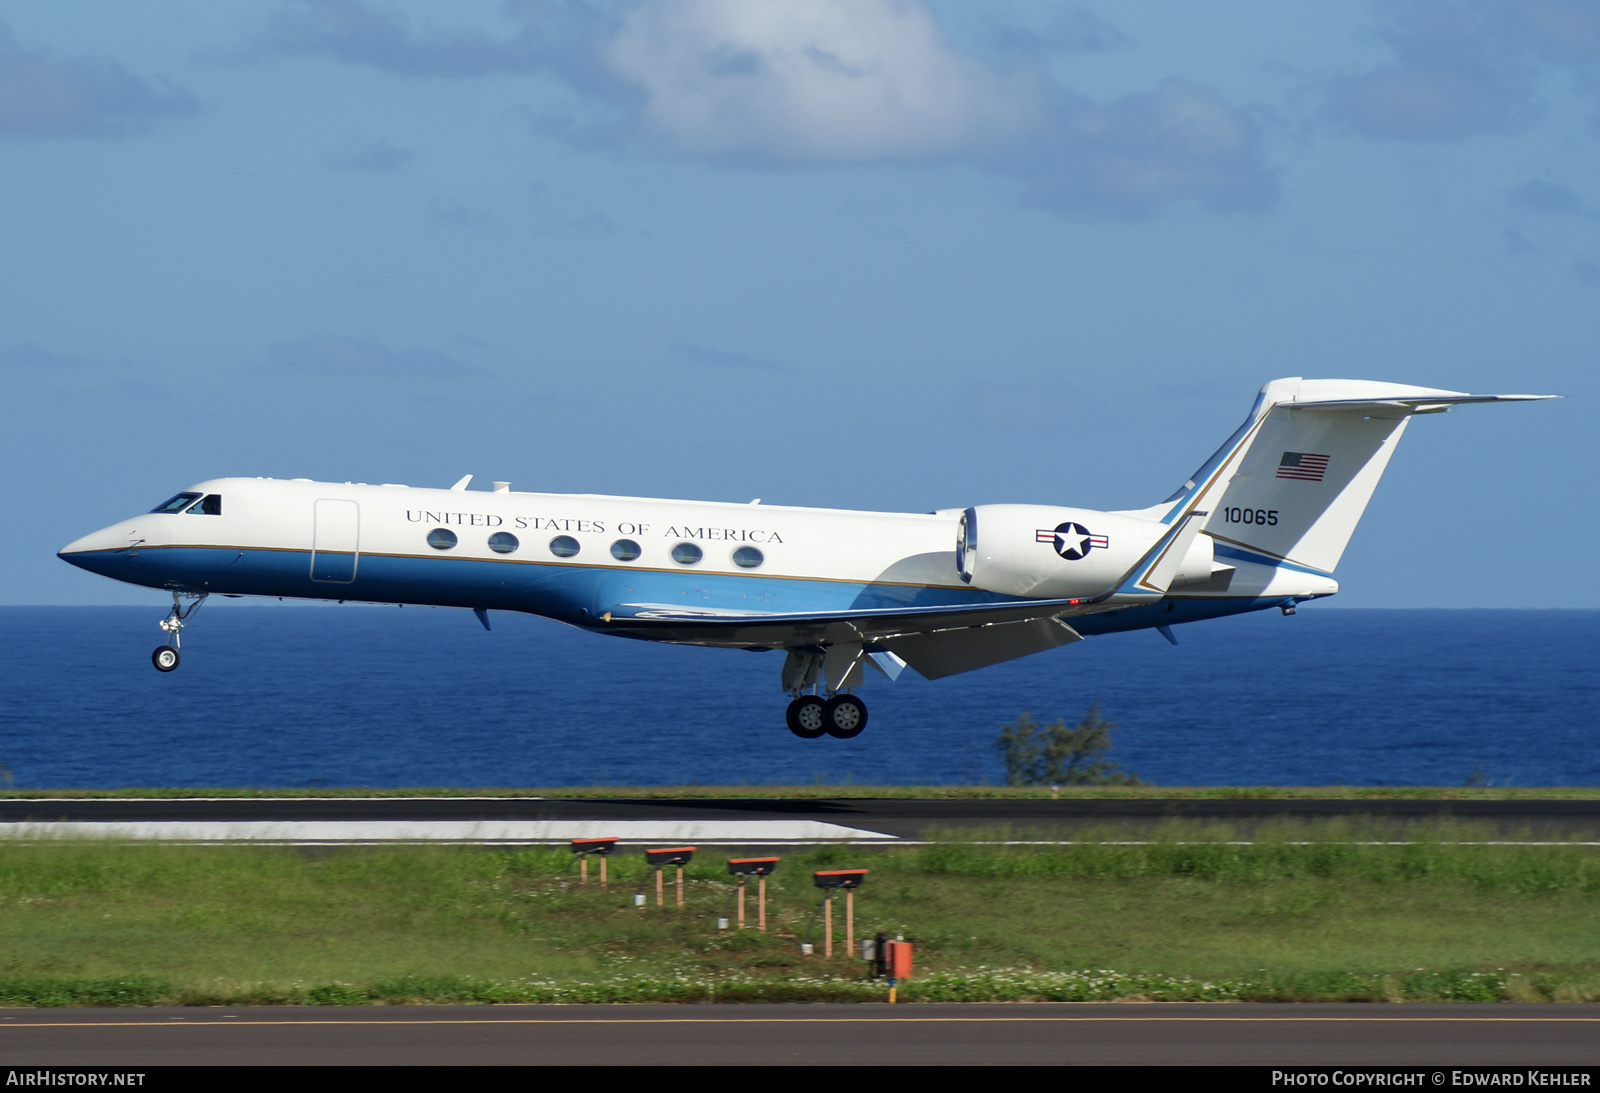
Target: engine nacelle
{"points": [[1061, 553]]}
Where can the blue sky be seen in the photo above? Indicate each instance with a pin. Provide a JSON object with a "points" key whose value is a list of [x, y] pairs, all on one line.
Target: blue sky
{"points": [[875, 254]]}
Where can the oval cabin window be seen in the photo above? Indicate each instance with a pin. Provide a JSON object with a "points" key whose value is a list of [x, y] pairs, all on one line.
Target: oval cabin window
{"points": [[626, 550], [564, 546], [687, 554], [748, 557], [441, 539], [503, 542]]}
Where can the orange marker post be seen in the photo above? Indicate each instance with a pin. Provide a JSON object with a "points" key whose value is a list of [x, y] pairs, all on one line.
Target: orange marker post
{"points": [[670, 855], [585, 847], [827, 919], [849, 920], [829, 880], [759, 868]]}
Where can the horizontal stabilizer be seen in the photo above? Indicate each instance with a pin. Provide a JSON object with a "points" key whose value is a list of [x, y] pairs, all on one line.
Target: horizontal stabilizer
{"points": [[1432, 403]]}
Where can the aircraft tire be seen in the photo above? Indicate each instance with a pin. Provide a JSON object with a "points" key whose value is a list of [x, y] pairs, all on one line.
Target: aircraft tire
{"points": [[165, 658], [845, 716], [806, 717]]}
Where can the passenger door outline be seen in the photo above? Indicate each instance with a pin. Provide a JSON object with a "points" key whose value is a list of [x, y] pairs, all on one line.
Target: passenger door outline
{"points": [[335, 541]]}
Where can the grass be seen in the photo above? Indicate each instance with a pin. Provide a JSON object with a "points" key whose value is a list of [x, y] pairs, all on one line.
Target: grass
{"points": [[1299, 914], [854, 792]]}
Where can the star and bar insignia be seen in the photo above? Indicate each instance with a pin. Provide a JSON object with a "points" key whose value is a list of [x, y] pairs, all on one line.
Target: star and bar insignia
{"points": [[1072, 541]]}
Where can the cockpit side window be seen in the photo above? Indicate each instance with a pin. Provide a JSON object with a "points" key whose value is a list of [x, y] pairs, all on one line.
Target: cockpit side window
{"points": [[211, 505], [177, 503]]}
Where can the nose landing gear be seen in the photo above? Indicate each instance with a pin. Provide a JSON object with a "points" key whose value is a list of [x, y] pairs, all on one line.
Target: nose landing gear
{"points": [[184, 605]]}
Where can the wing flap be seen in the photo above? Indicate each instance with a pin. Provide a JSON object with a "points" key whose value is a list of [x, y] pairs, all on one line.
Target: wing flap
{"points": [[949, 652], [718, 626]]}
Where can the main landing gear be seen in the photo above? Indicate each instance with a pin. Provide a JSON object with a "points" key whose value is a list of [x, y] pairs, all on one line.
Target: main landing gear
{"points": [[841, 716], [184, 605], [830, 671]]}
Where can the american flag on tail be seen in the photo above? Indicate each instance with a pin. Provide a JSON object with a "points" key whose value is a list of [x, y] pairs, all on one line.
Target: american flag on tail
{"points": [[1302, 466]]}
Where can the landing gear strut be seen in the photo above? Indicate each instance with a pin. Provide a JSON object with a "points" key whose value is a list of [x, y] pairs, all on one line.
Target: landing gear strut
{"points": [[184, 605]]}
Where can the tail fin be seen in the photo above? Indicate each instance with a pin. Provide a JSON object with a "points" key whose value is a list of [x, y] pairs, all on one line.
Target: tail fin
{"points": [[1295, 478]]}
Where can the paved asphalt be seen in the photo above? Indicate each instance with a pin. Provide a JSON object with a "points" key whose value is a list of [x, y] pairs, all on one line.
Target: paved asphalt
{"points": [[902, 818], [1434, 1036]]}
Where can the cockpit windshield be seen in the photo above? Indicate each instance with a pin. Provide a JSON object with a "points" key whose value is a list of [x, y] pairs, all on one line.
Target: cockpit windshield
{"points": [[177, 503], [210, 506]]}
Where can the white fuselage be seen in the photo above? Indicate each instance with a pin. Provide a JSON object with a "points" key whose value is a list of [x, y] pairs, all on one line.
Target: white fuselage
{"points": [[351, 541]]}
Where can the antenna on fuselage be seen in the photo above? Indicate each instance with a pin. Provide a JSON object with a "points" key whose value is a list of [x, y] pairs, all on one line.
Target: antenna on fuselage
{"points": [[461, 485]]}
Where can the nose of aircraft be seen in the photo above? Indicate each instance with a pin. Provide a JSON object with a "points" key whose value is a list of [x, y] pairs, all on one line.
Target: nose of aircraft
{"points": [[106, 551]]}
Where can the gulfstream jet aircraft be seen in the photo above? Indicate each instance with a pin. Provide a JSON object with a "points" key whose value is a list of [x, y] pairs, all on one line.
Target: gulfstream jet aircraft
{"points": [[1261, 524]]}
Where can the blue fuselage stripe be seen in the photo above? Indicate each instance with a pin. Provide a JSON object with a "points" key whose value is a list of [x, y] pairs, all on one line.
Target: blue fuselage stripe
{"points": [[574, 593], [569, 592]]}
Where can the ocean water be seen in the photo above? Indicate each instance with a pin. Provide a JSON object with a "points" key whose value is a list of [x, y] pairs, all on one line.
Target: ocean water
{"points": [[384, 696]]}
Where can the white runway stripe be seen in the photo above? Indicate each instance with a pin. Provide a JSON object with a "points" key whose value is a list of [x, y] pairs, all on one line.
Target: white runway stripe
{"points": [[693, 832]]}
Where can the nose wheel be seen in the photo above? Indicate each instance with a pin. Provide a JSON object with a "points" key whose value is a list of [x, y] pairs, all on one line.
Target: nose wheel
{"points": [[184, 605]]}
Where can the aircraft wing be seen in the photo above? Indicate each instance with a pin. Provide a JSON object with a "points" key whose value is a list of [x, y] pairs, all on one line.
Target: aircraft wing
{"points": [[717, 626], [936, 641]]}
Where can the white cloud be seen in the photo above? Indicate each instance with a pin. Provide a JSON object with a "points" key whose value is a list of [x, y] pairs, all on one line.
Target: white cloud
{"points": [[1467, 67], [813, 81], [820, 81], [1132, 156], [42, 95], [796, 82]]}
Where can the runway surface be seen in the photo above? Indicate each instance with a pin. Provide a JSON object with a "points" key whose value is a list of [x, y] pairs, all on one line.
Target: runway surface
{"points": [[1312, 1034], [744, 822]]}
